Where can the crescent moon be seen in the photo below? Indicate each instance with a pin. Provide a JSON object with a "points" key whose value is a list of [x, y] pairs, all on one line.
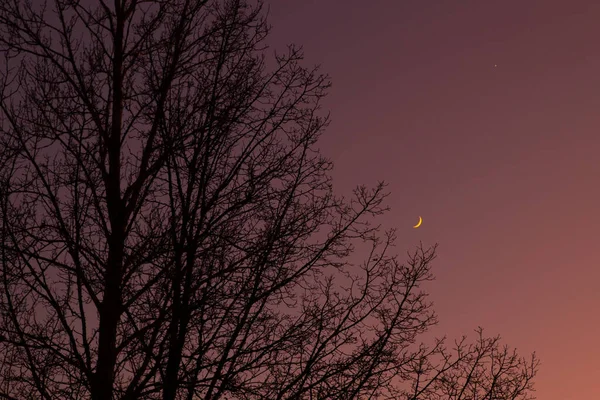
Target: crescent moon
{"points": [[419, 223]]}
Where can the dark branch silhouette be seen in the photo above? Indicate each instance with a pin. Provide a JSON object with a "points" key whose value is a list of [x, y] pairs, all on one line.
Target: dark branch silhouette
{"points": [[169, 230]]}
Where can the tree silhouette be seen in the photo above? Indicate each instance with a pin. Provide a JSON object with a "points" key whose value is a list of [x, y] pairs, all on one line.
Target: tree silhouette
{"points": [[169, 230]]}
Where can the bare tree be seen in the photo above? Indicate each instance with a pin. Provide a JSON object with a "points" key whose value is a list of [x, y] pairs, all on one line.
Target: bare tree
{"points": [[168, 226]]}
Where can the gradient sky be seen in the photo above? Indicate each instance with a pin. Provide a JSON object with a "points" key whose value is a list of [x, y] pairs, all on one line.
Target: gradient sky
{"points": [[501, 162]]}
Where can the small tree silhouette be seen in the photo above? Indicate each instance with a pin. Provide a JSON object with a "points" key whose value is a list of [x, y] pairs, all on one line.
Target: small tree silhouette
{"points": [[169, 230]]}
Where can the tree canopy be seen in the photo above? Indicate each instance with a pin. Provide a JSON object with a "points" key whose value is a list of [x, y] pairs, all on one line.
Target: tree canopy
{"points": [[169, 230]]}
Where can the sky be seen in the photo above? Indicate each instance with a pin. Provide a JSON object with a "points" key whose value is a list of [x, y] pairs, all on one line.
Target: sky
{"points": [[482, 116]]}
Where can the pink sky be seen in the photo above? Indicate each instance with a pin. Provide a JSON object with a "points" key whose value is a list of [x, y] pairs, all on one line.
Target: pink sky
{"points": [[501, 162]]}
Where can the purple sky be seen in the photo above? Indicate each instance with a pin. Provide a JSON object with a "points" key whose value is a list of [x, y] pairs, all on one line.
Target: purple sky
{"points": [[483, 117]]}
